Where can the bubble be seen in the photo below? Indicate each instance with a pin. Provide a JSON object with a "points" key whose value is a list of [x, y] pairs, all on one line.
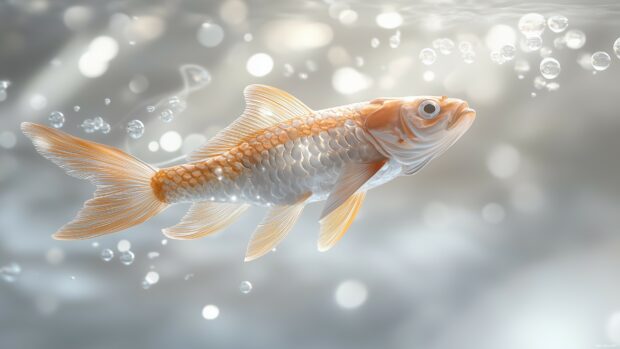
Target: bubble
{"points": [[468, 57], [428, 56], [359, 61], [389, 20], [532, 24], [575, 39], [259, 64], [465, 46], [127, 257], [617, 47], [152, 254], [98, 122], [107, 255], [210, 312], [194, 77], [123, 246], [88, 125], [493, 213], [56, 119], [545, 52], [533, 94], [288, 70], [10, 272], [248, 37], [508, 52], [496, 57], [503, 161], [395, 39], [135, 129], [539, 82], [76, 108], [557, 23], [347, 17], [245, 287], [522, 66], [374, 42], [4, 84], [428, 76], [601, 60], [553, 86], [171, 141], [351, 294], [210, 34], [164, 242], [107, 101], [550, 68], [446, 46], [105, 128], [95, 244], [152, 277], [533, 43]]}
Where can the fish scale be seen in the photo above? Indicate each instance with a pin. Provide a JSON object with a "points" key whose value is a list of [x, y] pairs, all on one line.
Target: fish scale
{"points": [[277, 166]]}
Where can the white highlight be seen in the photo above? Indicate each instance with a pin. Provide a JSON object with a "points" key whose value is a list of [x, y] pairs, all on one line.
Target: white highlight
{"points": [[348, 81], [389, 20], [210, 312], [171, 141], [259, 64], [351, 294]]}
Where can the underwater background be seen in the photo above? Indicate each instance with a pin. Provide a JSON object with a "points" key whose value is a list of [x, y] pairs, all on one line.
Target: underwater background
{"points": [[511, 239]]}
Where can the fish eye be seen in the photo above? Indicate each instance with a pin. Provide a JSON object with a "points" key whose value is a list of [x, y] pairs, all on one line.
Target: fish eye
{"points": [[428, 109]]}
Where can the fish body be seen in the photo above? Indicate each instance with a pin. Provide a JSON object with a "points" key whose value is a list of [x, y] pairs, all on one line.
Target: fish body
{"points": [[279, 153]]}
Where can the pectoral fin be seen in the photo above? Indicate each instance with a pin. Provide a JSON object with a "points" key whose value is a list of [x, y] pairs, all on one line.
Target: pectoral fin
{"points": [[352, 178], [273, 229], [204, 218], [334, 225]]}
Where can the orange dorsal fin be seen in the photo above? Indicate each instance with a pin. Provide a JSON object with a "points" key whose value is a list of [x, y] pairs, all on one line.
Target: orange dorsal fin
{"points": [[265, 106]]}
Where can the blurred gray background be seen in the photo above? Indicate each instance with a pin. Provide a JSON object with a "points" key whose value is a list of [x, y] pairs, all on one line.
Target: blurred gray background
{"points": [[509, 240]]}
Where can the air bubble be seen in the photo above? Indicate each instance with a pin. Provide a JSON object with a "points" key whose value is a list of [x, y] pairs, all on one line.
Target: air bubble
{"points": [[76, 108], [446, 46], [107, 101], [56, 119], [557, 23], [508, 52], [550, 68], [210, 312], [395, 39], [107, 255], [539, 82], [245, 287], [522, 66], [10, 272], [194, 77], [532, 24], [166, 115], [152, 277], [127, 257], [135, 129], [601, 60], [468, 57], [553, 86], [428, 56], [575, 39], [88, 126], [374, 42], [210, 34], [465, 46], [617, 47], [123, 246], [533, 43]]}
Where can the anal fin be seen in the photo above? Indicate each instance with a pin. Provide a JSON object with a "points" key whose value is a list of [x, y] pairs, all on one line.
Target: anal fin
{"points": [[204, 218], [274, 228], [335, 224], [352, 178]]}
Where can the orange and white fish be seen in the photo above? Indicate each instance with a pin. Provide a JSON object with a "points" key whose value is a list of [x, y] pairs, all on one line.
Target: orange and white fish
{"points": [[279, 153]]}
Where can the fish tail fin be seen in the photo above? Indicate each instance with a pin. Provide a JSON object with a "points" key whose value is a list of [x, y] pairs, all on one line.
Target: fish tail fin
{"points": [[124, 196]]}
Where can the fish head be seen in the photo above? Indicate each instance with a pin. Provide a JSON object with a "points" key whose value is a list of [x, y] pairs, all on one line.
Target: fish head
{"points": [[414, 130]]}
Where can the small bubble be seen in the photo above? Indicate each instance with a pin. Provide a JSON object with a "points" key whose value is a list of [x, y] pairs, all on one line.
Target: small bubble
{"points": [[4, 84], [76, 108], [303, 75], [428, 56], [98, 122], [107, 101], [428, 76], [166, 115], [468, 57], [508, 52], [288, 70], [88, 125], [374, 42], [210, 312], [533, 43], [575, 39], [245, 287], [135, 129], [532, 24], [152, 277], [550, 68], [539, 82], [164, 242], [247, 37], [127, 257], [195, 77], [557, 23], [210, 34], [10, 272], [123, 246], [395, 39], [105, 128], [446, 46], [617, 47], [545, 52], [522, 66], [465, 46], [188, 276], [150, 108], [533, 94], [107, 255], [359, 61], [553, 86], [95, 244], [152, 254], [496, 57], [56, 119], [601, 60]]}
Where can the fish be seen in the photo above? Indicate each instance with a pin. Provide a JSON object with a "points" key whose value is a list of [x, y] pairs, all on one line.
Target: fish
{"points": [[279, 154]]}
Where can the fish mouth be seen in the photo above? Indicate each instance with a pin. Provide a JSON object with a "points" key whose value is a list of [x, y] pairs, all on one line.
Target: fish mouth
{"points": [[463, 113]]}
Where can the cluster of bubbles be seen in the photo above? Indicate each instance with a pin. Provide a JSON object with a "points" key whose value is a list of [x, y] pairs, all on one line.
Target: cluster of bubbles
{"points": [[92, 125], [4, 85], [10, 272], [126, 256], [447, 46]]}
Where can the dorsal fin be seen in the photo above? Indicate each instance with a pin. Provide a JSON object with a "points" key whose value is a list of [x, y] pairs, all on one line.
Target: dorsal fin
{"points": [[265, 106]]}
